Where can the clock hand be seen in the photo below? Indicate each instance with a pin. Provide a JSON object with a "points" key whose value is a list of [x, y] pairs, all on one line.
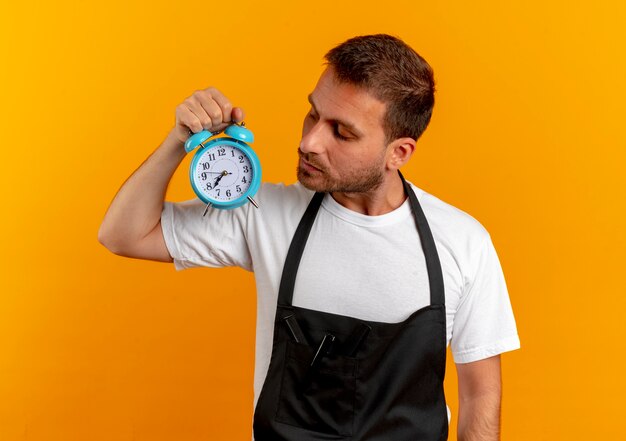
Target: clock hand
{"points": [[219, 178]]}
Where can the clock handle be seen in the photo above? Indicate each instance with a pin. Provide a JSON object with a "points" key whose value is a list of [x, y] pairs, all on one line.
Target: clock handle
{"points": [[241, 124]]}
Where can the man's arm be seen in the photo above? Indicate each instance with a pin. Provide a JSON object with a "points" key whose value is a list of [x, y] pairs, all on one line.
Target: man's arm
{"points": [[132, 224], [480, 392]]}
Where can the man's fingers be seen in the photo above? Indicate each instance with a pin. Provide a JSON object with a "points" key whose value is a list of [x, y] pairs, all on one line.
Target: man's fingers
{"points": [[223, 103], [196, 108], [187, 118], [208, 109], [212, 109], [238, 114]]}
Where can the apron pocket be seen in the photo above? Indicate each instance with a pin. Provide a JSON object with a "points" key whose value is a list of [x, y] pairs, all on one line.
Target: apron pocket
{"points": [[322, 402]]}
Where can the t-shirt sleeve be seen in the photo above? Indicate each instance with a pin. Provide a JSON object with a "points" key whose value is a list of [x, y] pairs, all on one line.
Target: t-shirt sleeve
{"points": [[217, 239], [484, 324]]}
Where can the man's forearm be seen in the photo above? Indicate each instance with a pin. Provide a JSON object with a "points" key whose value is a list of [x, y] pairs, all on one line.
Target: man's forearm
{"points": [[480, 394], [479, 418], [137, 206]]}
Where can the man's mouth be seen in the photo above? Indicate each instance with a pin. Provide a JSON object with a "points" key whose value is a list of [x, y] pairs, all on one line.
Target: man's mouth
{"points": [[307, 166]]}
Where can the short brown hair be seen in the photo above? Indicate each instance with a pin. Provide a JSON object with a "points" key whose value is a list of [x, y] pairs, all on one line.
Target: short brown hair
{"points": [[395, 74]]}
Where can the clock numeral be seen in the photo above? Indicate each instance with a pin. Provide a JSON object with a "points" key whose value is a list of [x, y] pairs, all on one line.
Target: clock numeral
{"points": [[246, 169], [218, 191], [205, 166], [244, 180], [209, 186], [232, 153], [241, 159], [204, 176], [228, 193], [221, 152], [238, 188], [211, 156]]}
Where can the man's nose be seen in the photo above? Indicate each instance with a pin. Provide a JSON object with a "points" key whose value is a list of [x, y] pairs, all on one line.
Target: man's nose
{"points": [[313, 139]]}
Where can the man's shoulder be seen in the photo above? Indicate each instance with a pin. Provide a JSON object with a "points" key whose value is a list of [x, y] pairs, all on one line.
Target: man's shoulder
{"points": [[282, 198], [448, 222], [280, 190]]}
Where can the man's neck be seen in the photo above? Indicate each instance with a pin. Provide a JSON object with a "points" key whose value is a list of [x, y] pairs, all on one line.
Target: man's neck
{"points": [[384, 199]]}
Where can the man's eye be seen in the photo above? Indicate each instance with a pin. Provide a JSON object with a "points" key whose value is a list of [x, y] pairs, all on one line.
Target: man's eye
{"points": [[337, 134]]}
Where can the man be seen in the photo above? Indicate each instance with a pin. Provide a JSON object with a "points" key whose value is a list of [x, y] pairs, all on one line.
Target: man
{"points": [[354, 346]]}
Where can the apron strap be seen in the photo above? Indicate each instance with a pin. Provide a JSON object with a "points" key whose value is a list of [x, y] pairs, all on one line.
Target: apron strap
{"points": [[433, 265], [294, 255]]}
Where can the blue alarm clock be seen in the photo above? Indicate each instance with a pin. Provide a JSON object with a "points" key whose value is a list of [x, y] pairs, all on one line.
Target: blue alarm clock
{"points": [[225, 172]]}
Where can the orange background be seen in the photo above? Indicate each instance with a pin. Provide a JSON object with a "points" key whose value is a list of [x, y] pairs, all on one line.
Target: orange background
{"points": [[527, 136]]}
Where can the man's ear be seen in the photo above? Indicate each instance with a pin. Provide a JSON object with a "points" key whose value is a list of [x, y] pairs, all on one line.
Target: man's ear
{"points": [[399, 151]]}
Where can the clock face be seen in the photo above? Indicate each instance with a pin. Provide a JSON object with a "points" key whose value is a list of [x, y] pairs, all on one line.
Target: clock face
{"points": [[223, 173]]}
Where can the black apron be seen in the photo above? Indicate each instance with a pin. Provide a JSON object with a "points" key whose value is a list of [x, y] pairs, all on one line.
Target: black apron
{"points": [[335, 377]]}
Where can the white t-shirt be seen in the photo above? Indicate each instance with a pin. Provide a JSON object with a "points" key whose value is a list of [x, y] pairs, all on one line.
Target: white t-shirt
{"points": [[368, 267]]}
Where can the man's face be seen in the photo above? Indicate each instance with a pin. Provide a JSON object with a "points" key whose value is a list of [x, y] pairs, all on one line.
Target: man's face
{"points": [[343, 142]]}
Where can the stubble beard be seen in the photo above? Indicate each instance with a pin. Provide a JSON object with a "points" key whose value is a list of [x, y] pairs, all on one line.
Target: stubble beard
{"points": [[361, 181]]}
